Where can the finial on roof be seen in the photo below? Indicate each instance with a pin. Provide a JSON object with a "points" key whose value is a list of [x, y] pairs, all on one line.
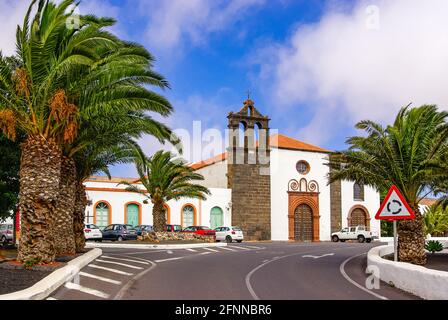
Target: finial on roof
{"points": [[249, 102]]}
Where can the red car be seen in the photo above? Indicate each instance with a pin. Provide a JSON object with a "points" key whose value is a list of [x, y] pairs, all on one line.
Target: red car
{"points": [[205, 231]]}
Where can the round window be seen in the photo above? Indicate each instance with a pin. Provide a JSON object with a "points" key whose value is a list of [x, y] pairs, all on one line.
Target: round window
{"points": [[303, 167]]}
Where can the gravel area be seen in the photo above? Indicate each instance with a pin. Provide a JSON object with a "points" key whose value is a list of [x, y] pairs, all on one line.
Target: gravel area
{"points": [[12, 280]]}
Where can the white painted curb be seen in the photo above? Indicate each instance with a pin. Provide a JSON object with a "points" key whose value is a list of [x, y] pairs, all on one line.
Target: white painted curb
{"points": [[155, 246], [423, 282], [49, 284]]}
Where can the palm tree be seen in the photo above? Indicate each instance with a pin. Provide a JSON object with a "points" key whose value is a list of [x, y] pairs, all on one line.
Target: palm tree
{"points": [[406, 154], [39, 96], [436, 220], [165, 179]]}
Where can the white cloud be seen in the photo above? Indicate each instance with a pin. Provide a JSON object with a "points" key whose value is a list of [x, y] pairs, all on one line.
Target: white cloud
{"points": [[176, 22], [351, 66], [11, 14]]}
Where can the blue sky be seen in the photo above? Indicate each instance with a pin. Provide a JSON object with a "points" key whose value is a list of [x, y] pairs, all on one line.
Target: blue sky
{"points": [[315, 67]]}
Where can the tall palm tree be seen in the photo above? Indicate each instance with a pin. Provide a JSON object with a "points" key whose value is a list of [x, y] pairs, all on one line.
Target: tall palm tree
{"points": [[38, 95], [406, 154], [165, 179]]}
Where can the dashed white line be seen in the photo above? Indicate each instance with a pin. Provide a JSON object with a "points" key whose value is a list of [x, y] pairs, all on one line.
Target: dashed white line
{"points": [[93, 292], [191, 250], [51, 298], [256, 248], [128, 260], [110, 269], [204, 253], [241, 248], [88, 275], [119, 264], [170, 259], [209, 249]]}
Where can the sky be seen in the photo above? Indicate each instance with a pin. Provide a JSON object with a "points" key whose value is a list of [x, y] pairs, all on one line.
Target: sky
{"points": [[315, 67]]}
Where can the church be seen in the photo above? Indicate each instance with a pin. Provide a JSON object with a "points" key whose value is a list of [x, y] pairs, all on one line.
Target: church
{"points": [[272, 186]]}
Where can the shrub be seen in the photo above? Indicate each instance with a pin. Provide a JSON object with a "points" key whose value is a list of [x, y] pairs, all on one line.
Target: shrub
{"points": [[434, 246]]}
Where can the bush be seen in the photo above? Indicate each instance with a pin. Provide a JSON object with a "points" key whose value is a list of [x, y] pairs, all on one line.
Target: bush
{"points": [[434, 246]]}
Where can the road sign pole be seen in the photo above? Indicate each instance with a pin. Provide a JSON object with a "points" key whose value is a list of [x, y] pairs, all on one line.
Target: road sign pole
{"points": [[395, 242]]}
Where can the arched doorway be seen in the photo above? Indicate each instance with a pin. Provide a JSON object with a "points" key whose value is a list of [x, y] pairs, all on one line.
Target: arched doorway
{"points": [[216, 218], [358, 217], [188, 216], [102, 215], [133, 214], [303, 223]]}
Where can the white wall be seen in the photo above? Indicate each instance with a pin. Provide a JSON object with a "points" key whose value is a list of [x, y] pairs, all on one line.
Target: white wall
{"points": [[118, 200], [283, 169], [371, 203], [215, 175]]}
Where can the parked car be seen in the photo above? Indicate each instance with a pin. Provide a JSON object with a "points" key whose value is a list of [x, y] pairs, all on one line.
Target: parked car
{"points": [[173, 228], [141, 228], [6, 233], [229, 234], [92, 232], [359, 233], [205, 231], [119, 232]]}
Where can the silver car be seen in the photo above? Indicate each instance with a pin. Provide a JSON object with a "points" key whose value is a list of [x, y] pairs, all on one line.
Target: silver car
{"points": [[6, 233]]}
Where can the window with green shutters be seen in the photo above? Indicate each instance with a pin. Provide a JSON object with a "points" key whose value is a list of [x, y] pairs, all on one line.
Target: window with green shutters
{"points": [[188, 216], [102, 215]]}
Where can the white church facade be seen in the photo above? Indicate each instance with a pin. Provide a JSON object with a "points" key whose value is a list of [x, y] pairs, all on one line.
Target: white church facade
{"points": [[282, 194]]}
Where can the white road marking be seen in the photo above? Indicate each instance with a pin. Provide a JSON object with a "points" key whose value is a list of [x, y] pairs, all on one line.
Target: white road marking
{"points": [[209, 249], [110, 269], [169, 252], [318, 257], [88, 275], [191, 250], [353, 282], [128, 260], [93, 292], [170, 259], [224, 248], [253, 247], [119, 264], [241, 248], [51, 298], [204, 253]]}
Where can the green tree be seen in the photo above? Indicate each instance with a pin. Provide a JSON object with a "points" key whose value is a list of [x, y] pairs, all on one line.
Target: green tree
{"points": [[165, 179], [407, 154], [436, 220], [9, 176]]}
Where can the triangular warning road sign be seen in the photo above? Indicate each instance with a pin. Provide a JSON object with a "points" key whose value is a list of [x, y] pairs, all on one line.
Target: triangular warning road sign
{"points": [[395, 207]]}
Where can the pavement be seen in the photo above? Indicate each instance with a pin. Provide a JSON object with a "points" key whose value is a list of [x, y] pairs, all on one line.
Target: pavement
{"points": [[247, 271]]}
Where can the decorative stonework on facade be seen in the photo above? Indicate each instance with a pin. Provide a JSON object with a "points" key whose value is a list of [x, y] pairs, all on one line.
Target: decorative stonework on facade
{"points": [[249, 173]]}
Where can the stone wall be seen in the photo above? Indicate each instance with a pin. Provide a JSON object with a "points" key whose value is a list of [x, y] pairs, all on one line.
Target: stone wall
{"points": [[251, 202], [158, 237], [336, 205]]}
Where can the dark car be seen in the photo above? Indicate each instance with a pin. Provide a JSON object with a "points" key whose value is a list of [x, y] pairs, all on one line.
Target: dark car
{"points": [[119, 232], [205, 231], [141, 228], [173, 228]]}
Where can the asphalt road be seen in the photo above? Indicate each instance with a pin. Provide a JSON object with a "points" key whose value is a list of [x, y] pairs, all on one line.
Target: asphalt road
{"points": [[247, 271]]}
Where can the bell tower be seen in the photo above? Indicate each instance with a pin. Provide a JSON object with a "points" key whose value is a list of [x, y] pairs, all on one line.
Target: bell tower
{"points": [[249, 171]]}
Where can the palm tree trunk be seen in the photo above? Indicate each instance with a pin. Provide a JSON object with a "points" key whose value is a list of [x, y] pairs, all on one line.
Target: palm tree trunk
{"points": [[79, 217], [40, 170], [63, 231], [158, 214], [411, 239]]}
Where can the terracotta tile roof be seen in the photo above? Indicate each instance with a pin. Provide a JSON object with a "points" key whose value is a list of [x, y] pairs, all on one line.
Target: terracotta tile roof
{"points": [[428, 202], [219, 158], [112, 180], [283, 142], [275, 141]]}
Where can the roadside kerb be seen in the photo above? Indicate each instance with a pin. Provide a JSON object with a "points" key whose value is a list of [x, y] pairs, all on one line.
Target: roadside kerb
{"points": [[423, 282], [57, 278]]}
